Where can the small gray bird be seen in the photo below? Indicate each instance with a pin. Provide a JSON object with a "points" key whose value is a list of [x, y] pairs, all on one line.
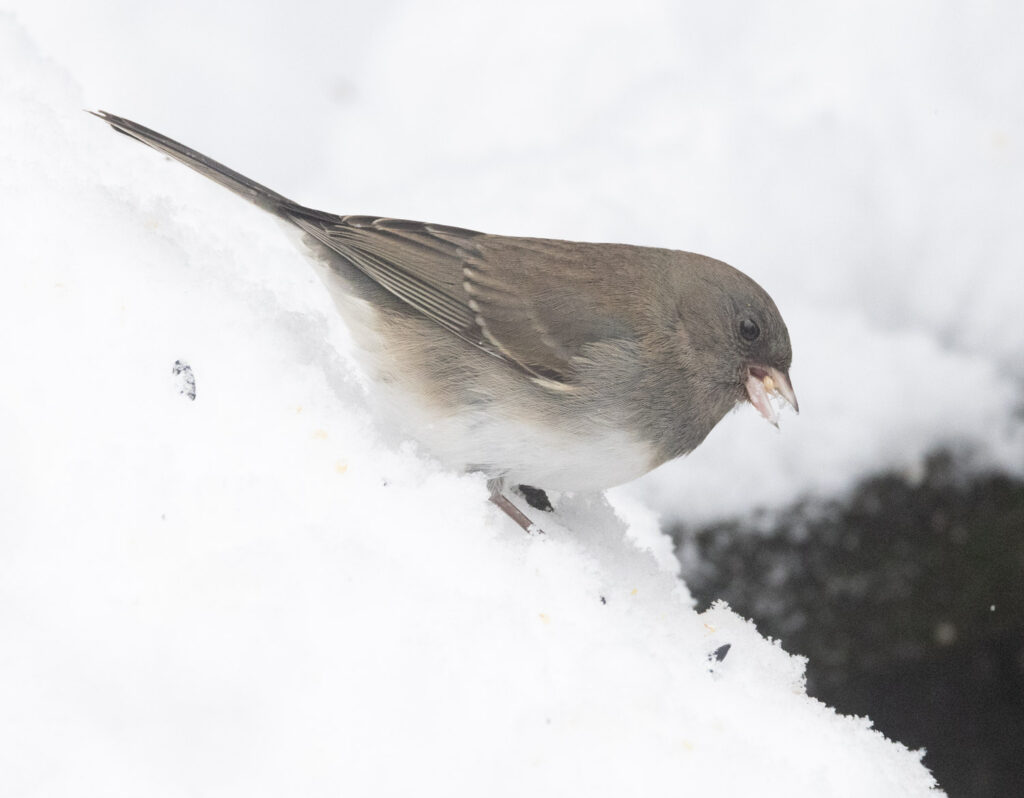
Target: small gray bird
{"points": [[553, 364]]}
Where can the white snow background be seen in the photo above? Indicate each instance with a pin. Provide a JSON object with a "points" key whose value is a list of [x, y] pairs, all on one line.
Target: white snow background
{"points": [[260, 592]]}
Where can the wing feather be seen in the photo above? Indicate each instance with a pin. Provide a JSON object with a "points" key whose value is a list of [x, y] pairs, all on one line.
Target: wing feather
{"points": [[516, 299]]}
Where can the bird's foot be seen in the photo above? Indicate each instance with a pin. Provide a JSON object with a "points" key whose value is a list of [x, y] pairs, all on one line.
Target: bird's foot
{"points": [[536, 498], [513, 512]]}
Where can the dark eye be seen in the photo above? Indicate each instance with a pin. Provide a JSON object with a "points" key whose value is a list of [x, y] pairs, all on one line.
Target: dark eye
{"points": [[749, 330]]}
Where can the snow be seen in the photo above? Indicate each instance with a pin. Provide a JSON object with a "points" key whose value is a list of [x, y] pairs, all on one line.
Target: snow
{"points": [[260, 592]]}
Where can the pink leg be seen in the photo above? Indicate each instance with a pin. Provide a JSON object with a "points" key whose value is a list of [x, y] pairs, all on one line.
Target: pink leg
{"points": [[511, 510]]}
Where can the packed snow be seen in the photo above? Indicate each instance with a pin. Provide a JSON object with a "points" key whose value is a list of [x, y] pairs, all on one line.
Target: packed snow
{"points": [[259, 591]]}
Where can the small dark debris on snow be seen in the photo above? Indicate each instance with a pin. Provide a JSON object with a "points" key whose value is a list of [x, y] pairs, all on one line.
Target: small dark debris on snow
{"points": [[186, 380], [603, 600], [719, 653]]}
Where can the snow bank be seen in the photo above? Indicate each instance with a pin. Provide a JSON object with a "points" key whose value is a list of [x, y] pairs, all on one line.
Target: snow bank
{"points": [[248, 593]]}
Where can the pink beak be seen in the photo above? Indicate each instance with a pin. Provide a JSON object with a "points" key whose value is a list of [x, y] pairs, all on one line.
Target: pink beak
{"points": [[762, 383]]}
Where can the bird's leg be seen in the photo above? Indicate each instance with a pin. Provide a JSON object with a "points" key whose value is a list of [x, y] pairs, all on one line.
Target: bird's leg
{"points": [[506, 506], [536, 498]]}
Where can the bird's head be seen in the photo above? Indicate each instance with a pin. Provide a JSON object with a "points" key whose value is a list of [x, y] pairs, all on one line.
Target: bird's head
{"points": [[738, 337]]}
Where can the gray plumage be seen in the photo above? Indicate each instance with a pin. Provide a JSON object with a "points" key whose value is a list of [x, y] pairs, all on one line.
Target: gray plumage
{"points": [[565, 365]]}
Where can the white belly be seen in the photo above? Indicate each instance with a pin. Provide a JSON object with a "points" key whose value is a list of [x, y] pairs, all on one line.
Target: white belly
{"points": [[541, 456]]}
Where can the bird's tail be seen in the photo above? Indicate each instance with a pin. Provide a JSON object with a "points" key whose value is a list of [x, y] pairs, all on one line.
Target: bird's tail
{"points": [[240, 184]]}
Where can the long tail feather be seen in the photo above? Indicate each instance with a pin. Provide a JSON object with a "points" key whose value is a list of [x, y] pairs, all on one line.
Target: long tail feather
{"points": [[240, 184]]}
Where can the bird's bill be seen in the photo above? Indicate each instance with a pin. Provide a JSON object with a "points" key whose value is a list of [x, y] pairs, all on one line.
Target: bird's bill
{"points": [[764, 382]]}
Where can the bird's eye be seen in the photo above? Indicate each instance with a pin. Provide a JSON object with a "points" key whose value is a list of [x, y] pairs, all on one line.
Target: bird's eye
{"points": [[749, 330]]}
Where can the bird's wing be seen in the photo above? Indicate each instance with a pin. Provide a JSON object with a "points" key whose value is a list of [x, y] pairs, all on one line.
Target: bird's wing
{"points": [[513, 298], [415, 262]]}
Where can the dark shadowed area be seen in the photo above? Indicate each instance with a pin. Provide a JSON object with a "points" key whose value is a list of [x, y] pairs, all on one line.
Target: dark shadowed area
{"points": [[908, 599]]}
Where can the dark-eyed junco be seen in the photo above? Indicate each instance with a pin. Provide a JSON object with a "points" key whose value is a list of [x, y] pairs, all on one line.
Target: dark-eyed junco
{"points": [[553, 364]]}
